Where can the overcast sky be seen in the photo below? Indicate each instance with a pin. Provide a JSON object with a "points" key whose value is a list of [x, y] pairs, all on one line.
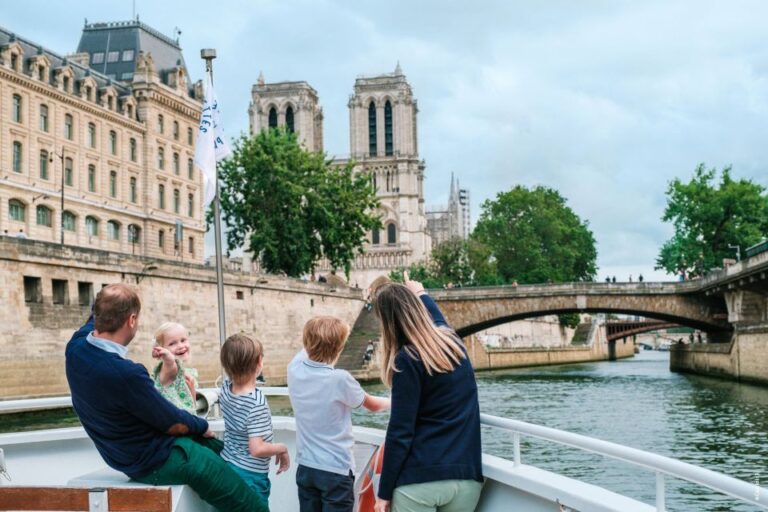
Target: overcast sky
{"points": [[604, 101]]}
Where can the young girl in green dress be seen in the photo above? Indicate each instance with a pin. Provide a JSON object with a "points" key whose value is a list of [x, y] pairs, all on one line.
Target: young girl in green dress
{"points": [[175, 380]]}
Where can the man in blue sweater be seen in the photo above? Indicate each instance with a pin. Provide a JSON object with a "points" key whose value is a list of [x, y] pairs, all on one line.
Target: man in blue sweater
{"points": [[135, 429]]}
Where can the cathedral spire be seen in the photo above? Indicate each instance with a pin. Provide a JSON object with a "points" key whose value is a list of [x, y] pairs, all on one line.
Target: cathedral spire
{"points": [[398, 69], [453, 188], [260, 80]]}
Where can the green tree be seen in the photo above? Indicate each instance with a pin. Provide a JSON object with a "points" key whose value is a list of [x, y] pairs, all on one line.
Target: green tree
{"points": [[291, 207], [535, 237], [708, 217]]}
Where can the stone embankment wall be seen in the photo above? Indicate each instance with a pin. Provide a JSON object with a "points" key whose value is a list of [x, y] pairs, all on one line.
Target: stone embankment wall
{"points": [[544, 331], [33, 334]]}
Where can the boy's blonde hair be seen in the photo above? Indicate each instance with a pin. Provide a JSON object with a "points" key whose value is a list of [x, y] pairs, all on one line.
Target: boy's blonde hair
{"points": [[164, 329], [240, 357], [324, 338]]}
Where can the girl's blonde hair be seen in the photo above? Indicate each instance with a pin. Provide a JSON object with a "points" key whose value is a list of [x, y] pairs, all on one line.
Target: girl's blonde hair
{"points": [[405, 322], [164, 329]]}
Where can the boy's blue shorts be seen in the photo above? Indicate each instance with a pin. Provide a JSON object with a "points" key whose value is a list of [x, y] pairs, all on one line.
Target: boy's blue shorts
{"points": [[259, 482]]}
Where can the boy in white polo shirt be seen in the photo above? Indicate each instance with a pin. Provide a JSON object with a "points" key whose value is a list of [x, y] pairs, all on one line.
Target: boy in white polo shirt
{"points": [[323, 398]]}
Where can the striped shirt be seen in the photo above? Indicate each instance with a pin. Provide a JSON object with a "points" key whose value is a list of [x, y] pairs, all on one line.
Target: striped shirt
{"points": [[245, 416]]}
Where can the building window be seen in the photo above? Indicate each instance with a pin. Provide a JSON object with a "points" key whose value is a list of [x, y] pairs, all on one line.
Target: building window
{"points": [[175, 130], [161, 158], [160, 123], [375, 240], [113, 183], [113, 230], [15, 62], [17, 210], [68, 127], [289, 119], [113, 56], [191, 205], [44, 118], [60, 291], [91, 226], [391, 234], [190, 169], [91, 178], [161, 196], [388, 137], [43, 164], [44, 216], [69, 221], [134, 233], [372, 129], [113, 142], [176, 164], [91, 135], [68, 172], [127, 55], [132, 189], [272, 118], [16, 156], [176, 200], [161, 239], [17, 108], [33, 289], [189, 136], [132, 147], [84, 293], [192, 245], [97, 58]]}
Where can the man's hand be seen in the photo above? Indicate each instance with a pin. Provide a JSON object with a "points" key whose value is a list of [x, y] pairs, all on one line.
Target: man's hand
{"points": [[381, 505], [283, 460]]}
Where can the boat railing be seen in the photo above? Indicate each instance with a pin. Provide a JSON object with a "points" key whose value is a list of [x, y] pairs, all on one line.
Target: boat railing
{"points": [[663, 466]]}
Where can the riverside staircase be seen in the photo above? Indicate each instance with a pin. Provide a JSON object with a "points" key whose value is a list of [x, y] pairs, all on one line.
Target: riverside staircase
{"points": [[366, 328]]}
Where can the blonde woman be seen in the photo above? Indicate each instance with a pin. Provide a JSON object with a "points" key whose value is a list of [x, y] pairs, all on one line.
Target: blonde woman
{"points": [[432, 455]]}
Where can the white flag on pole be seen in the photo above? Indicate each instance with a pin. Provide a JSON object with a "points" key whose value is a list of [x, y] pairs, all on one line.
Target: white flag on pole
{"points": [[212, 145]]}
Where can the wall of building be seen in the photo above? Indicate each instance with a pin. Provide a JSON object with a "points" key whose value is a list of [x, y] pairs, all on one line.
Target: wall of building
{"points": [[33, 335]]}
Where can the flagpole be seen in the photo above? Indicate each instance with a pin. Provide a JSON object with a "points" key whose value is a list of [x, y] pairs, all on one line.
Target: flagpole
{"points": [[208, 54]]}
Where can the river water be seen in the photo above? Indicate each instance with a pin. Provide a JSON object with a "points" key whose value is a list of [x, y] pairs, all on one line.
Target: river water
{"points": [[638, 402]]}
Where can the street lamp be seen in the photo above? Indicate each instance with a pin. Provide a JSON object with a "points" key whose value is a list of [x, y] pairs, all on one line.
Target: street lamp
{"points": [[61, 215]]}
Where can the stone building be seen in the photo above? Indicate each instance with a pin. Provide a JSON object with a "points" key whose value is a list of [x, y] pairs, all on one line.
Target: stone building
{"points": [[384, 142], [114, 126], [446, 222]]}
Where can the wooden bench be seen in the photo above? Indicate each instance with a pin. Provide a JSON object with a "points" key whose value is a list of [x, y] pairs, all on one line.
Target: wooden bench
{"points": [[71, 499]]}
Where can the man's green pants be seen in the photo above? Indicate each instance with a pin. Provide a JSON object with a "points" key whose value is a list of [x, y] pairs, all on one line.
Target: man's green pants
{"points": [[195, 461]]}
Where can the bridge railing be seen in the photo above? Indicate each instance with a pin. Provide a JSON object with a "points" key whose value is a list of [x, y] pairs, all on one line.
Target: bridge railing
{"points": [[662, 466]]}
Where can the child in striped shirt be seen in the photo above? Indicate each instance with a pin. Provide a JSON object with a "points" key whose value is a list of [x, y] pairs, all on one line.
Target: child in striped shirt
{"points": [[248, 436]]}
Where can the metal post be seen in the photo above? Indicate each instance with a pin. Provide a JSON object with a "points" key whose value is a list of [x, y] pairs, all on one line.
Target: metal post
{"points": [[208, 54], [660, 499], [516, 449]]}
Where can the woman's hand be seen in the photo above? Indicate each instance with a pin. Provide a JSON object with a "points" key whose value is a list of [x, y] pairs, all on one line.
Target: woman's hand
{"points": [[415, 286], [381, 505]]}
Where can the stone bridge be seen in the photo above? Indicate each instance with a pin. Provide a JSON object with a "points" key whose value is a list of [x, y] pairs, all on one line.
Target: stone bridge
{"points": [[717, 303]]}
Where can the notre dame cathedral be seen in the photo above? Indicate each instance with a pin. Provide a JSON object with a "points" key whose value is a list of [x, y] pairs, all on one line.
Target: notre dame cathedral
{"points": [[383, 141]]}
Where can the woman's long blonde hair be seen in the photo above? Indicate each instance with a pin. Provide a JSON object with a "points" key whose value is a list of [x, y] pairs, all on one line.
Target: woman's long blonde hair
{"points": [[405, 322]]}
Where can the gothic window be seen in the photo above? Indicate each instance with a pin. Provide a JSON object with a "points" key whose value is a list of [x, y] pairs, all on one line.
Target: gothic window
{"points": [[113, 183], [190, 169], [44, 118], [132, 190], [272, 118], [68, 172], [372, 129], [391, 233], [91, 178], [176, 200], [44, 164], [289, 119], [388, 140], [160, 123], [91, 135], [17, 156], [113, 230], [113, 142], [92, 226], [375, 240], [191, 205], [132, 148], [388, 181], [161, 239], [68, 127], [161, 196], [189, 136], [17, 108], [44, 216], [161, 158], [176, 164], [69, 221], [17, 210]]}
